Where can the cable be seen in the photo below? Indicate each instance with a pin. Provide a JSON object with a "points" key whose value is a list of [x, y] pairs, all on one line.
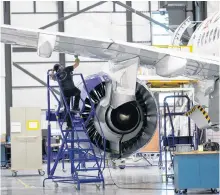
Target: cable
{"points": [[131, 188]]}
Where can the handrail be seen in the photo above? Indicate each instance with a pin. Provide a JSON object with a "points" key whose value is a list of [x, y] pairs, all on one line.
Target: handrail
{"points": [[92, 104], [91, 114]]}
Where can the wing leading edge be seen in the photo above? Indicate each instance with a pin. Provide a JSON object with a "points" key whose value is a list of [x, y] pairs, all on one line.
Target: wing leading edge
{"points": [[167, 62]]}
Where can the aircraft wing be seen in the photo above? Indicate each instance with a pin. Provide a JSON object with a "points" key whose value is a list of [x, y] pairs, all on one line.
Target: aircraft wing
{"points": [[167, 62]]}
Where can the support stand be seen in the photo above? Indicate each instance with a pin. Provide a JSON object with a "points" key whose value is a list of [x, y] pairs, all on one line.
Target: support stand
{"points": [[75, 142]]}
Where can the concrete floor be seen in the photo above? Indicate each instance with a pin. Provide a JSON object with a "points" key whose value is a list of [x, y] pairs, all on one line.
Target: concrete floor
{"points": [[138, 181]]}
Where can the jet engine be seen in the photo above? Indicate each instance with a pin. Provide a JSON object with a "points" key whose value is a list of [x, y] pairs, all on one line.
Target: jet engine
{"points": [[126, 128]]}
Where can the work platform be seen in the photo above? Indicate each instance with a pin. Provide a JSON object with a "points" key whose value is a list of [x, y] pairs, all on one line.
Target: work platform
{"points": [[86, 166]]}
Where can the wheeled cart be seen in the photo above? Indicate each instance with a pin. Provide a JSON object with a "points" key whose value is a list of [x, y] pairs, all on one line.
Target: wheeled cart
{"points": [[196, 170]]}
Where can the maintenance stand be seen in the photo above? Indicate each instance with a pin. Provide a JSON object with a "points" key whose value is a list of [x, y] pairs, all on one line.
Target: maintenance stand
{"points": [[75, 141]]}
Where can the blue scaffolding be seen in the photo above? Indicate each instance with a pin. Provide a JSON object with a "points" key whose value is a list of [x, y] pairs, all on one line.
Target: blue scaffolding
{"points": [[171, 141], [75, 142]]}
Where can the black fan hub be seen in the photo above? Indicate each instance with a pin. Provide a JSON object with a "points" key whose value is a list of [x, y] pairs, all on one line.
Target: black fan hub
{"points": [[126, 117]]}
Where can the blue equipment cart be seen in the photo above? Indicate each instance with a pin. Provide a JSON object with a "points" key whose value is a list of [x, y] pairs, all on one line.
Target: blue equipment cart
{"points": [[196, 170], [3, 155]]}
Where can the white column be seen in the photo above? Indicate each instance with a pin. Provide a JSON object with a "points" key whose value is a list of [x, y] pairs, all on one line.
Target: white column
{"points": [[2, 81]]}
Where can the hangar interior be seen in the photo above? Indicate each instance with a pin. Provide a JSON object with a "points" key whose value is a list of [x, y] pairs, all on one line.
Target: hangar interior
{"points": [[172, 114]]}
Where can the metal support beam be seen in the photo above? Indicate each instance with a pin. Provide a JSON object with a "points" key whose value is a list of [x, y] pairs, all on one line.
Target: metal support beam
{"points": [[23, 49], [31, 87], [200, 10], [142, 15], [8, 72], [73, 14], [60, 5], [33, 76], [151, 30], [78, 6], [114, 7], [129, 23], [34, 7], [55, 62]]}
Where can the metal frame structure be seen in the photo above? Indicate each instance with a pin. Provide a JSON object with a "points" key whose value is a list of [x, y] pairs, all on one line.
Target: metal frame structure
{"points": [[61, 28], [72, 140], [8, 70], [129, 30], [171, 141]]}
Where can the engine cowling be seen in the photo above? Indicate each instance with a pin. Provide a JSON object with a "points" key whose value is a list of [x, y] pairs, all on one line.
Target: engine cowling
{"points": [[126, 128]]}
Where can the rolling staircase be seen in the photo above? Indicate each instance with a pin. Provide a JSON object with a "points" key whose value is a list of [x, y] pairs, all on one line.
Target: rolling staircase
{"points": [[86, 166]]}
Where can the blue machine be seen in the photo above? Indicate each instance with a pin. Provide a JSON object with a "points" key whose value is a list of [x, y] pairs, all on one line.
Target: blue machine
{"points": [[3, 156], [75, 142], [196, 170]]}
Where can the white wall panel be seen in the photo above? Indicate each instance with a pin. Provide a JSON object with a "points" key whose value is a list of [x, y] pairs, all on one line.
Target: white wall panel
{"points": [[34, 21], [22, 6], [141, 28], [108, 6], [154, 5], [120, 8], [140, 5], [3, 111], [212, 6], [36, 97], [33, 57], [95, 25], [100, 25], [140, 21], [19, 78], [2, 68], [46, 6], [118, 27], [70, 6], [141, 33], [39, 70]]}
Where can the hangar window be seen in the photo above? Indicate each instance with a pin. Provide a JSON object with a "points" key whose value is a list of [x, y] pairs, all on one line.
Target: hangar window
{"points": [[210, 36], [202, 39], [206, 38], [215, 34]]}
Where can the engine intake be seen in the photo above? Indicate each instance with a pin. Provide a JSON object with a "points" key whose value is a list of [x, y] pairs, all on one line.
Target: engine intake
{"points": [[133, 123]]}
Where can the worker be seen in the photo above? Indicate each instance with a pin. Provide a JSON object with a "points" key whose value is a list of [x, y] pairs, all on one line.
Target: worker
{"points": [[64, 74]]}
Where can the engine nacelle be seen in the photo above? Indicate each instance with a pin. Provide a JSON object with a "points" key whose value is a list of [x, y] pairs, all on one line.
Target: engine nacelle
{"points": [[126, 128]]}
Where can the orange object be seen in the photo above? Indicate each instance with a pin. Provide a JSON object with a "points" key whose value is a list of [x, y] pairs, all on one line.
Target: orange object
{"points": [[153, 145]]}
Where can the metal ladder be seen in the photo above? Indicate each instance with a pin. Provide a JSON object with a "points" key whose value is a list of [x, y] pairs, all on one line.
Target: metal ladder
{"points": [[72, 140], [171, 144]]}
